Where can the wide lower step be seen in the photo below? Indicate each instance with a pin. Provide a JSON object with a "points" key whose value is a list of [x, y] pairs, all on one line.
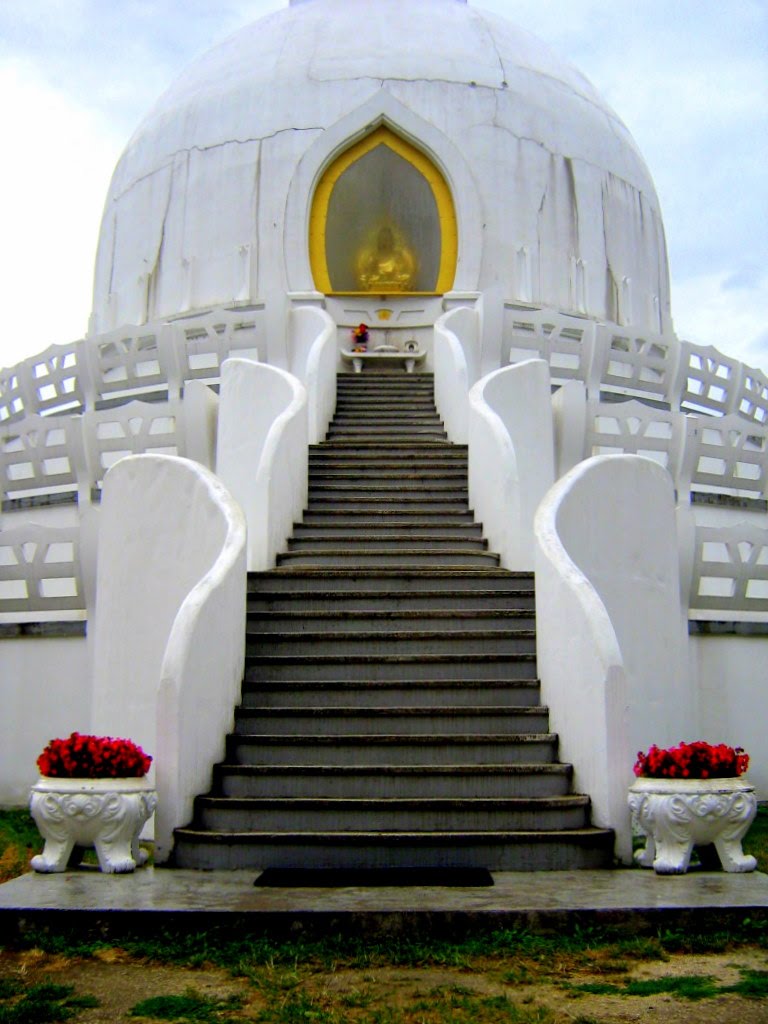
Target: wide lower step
{"points": [[379, 503], [227, 814], [425, 642], [387, 488], [369, 619], [393, 540], [268, 668], [342, 520], [492, 781], [518, 604], [370, 580], [379, 555], [570, 850], [430, 693], [407, 475], [383, 531], [369, 720], [368, 750]]}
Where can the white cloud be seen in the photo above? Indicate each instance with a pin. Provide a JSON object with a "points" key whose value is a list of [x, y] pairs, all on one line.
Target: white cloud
{"points": [[56, 165]]}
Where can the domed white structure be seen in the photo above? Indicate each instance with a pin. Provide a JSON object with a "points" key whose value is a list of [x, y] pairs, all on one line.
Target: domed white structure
{"points": [[430, 175], [212, 200]]}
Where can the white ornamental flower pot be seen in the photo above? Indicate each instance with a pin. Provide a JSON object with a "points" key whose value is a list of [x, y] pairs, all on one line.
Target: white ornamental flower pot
{"points": [[108, 814], [677, 814]]}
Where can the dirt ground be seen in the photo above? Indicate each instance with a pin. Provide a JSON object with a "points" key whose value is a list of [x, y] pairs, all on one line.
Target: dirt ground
{"points": [[493, 990]]}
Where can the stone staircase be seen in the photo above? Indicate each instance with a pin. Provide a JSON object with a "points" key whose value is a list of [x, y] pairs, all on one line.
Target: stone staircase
{"points": [[390, 711]]}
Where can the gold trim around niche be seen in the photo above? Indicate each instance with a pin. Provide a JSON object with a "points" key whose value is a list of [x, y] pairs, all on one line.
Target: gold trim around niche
{"points": [[443, 199]]}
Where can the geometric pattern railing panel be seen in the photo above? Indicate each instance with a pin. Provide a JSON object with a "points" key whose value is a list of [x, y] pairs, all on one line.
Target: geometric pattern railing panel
{"points": [[730, 573], [40, 569], [565, 342]]}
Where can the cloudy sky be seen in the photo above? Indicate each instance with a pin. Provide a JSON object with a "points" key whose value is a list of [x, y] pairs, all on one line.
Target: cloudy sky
{"points": [[688, 77]]}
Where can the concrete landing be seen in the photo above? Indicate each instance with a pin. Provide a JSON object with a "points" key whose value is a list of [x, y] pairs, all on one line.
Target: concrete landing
{"points": [[634, 900]]}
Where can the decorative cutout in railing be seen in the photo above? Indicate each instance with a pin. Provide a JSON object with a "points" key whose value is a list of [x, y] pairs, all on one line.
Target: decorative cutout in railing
{"points": [[752, 396], [52, 382], [730, 572], [203, 343], [132, 361], [39, 455], [632, 428], [565, 342], [727, 453], [707, 380], [133, 429], [40, 570], [633, 364]]}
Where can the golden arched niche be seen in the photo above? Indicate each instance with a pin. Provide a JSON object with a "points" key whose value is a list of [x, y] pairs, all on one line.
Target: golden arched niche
{"points": [[383, 221]]}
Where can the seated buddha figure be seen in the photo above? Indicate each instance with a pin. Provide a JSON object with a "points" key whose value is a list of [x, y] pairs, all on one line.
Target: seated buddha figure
{"points": [[387, 265]]}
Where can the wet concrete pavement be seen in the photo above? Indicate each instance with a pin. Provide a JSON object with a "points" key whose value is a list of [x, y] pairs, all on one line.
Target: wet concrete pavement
{"points": [[635, 900]]}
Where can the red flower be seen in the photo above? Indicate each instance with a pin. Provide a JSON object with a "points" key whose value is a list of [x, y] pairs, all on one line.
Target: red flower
{"points": [[93, 757], [699, 760]]}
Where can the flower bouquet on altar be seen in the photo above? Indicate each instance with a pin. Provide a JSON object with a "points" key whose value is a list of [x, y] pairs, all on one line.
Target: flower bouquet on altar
{"points": [[360, 338]]}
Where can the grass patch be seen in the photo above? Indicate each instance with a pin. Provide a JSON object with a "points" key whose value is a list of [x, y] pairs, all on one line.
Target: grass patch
{"points": [[19, 841], [189, 1006], [752, 985], [41, 1003], [756, 840]]}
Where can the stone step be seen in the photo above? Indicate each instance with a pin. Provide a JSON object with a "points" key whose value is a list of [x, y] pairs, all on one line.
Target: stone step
{"points": [[434, 814], [370, 620], [380, 502], [376, 432], [265, 668], [355, 463], [376, 721], [388, 488], [457, 781], [363, 447], [371, 750], [431, 603], [396, 553], [357, 643], [389, 519], [426, 530], [571, 849], [410, 581], [436, 479], [429, 693], [387, 541]]}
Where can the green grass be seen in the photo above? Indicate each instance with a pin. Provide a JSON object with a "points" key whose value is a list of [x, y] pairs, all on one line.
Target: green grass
{"points": [[40, 1003], [191, 1006], [752, 985], [756, 840], [19, 841]]}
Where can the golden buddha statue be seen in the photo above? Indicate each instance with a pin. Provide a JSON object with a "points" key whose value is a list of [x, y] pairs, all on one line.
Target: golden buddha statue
{"points": [[386, 264]]}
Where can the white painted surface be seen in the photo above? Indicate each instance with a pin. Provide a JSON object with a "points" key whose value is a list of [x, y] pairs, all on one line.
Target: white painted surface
{"points": [[249, 111], [262, 455], [611, 636], [732, 673], [313, 356], [511, 457], [171, 600], [44, 693], [456, 363]]}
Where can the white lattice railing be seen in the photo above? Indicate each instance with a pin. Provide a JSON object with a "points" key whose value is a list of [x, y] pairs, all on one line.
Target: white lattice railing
{"points": [[608, 358], [721, 454], [730, 571], [45, 455], [567, 343], [40, 570], [130, 362]]}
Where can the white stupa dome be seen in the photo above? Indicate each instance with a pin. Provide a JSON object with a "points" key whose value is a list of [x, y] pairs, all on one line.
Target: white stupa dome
{"points": [[211, 200]]}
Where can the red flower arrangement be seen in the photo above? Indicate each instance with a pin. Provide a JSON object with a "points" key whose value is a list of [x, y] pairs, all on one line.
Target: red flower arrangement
{"points": [[93, 757], [699, 760], [360, 338]]}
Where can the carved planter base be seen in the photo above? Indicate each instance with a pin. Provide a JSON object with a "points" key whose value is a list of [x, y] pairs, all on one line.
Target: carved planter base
{"points": [[108, 814], [677, 814]]}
